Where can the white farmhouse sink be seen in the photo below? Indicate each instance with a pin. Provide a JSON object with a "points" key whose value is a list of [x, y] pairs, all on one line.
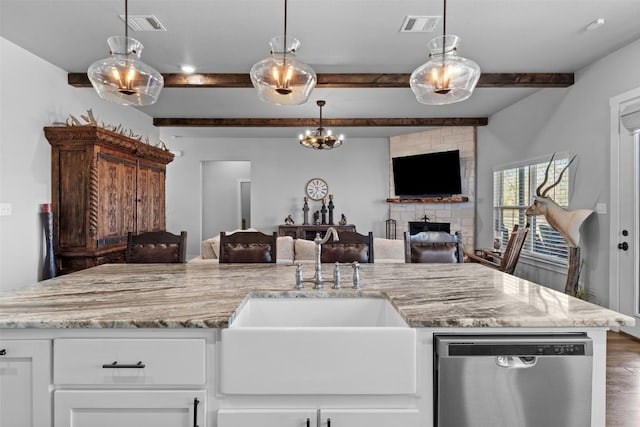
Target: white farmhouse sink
{"points": [[318, 346]]}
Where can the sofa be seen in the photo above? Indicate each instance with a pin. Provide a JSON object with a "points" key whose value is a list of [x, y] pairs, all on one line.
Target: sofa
{"points": [[290, 250]]}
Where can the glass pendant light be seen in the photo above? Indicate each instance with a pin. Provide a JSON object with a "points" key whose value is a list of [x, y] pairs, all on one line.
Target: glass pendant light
{"points": [[281, 79], [445, 78], [321, 138], [123, 78]]}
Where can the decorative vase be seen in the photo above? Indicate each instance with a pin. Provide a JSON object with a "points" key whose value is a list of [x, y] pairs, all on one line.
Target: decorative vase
{"points": [[49, 264]]}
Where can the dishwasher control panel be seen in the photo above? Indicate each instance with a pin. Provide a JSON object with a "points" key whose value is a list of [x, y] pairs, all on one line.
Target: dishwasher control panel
{"points": [[495, 349]]}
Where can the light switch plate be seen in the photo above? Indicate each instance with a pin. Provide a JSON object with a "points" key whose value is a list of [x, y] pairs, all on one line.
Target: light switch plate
{"points": [[5, 209], [601, 208]]}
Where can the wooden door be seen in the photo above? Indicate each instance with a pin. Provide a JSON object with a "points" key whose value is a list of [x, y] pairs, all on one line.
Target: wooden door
{"points": [[130, 408], [151, 198], [25, 370], [116, 199]]}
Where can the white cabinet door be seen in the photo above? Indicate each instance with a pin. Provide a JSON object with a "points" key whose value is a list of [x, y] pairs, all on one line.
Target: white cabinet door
{"points": [[267, 417], [136, 408], [25, 372], [369, 418]]}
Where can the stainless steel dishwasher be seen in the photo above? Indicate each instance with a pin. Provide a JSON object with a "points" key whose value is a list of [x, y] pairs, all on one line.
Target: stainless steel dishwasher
{"points": [[513, 380]]}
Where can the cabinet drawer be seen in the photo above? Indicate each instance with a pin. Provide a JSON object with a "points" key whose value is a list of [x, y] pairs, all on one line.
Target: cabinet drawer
{"points": [[129, 361], [267, 417]]}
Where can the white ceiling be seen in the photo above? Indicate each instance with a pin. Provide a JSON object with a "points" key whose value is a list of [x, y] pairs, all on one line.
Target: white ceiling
{"points": [[337, 36]]}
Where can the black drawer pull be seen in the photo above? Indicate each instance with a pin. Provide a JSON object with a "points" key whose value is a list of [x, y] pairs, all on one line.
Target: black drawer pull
{"points": [[3, 352], [328, 422], [195, 411], [115, 364], [308, 422]]}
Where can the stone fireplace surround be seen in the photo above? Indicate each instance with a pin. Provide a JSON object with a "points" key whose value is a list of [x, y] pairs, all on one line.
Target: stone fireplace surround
{"points": [[461, 215]]}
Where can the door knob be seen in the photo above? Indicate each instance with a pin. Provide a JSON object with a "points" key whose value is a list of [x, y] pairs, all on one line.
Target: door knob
{"points": [[624, 246]]}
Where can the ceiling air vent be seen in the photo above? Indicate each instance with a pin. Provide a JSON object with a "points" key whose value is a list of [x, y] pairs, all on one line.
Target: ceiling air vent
{"points": [[144, 23], [419, 24]]}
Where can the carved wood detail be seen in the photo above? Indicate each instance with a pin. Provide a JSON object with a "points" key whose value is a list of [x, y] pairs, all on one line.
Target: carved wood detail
{"points": [[93, 198]]}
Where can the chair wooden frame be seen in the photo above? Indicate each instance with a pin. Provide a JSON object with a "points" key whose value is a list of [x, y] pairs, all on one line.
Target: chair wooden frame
{"points": [[353, 238], [435, 238], [509, 259], [248, 237], [157, 238]]}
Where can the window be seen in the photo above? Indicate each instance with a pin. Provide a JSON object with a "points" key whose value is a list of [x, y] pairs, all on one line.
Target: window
{"points": [[512, 193]]}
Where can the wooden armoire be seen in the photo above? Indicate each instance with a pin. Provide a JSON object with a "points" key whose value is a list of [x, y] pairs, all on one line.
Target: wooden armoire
{"points": [[103, 185]]}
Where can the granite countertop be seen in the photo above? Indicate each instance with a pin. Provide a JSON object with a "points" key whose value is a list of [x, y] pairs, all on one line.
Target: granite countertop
{"points": [[205, 296]]}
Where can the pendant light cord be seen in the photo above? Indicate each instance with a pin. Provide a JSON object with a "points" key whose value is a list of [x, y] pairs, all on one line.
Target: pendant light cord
{"points": [[284, 56], [126, 19], [444, 29]]}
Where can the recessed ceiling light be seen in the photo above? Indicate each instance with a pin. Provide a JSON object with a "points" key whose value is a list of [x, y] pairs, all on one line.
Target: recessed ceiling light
{"points": [[188, 69], [595, 24]]}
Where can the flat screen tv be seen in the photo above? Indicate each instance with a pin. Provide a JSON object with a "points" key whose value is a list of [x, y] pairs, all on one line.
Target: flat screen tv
{"points": [[427, 175]]}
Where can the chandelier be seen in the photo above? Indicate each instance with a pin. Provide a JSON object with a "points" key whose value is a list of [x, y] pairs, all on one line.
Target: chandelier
{"points": [[281, 79], [445, 78], [123, 78], [321, 138]]}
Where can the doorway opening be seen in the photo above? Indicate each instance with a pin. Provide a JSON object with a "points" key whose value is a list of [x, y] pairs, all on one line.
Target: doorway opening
{"points": [[226, 196]]}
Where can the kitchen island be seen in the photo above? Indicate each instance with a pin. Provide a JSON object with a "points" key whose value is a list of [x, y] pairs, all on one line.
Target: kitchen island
{"points": [[178, 311]]}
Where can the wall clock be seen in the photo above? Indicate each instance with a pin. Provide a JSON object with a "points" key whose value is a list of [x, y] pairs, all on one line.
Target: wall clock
{"points": [[317, 189]]}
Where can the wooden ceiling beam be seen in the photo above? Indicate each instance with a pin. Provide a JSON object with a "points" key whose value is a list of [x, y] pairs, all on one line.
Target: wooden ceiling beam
{"points": [[353, 80], [298, 122]]}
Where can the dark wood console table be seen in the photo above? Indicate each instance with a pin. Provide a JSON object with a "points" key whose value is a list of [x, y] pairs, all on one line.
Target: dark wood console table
{"points": [[308, 232]]}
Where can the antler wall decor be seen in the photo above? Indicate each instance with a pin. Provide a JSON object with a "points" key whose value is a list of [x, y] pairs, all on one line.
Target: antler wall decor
{"points": [[564, 221]]}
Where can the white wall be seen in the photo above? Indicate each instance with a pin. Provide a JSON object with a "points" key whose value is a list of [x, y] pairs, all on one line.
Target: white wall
{"points": [[357, 174], [575, 119], [34, 94]]}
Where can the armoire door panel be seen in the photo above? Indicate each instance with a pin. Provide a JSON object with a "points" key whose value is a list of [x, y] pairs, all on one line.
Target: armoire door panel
{"points": [[72, 207]]}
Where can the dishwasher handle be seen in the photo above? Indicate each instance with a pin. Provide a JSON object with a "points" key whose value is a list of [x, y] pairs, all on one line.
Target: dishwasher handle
{"points": [[516, 362]]}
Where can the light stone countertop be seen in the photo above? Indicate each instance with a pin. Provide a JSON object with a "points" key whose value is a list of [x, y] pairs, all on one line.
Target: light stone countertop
{"points": [[205, 296]]}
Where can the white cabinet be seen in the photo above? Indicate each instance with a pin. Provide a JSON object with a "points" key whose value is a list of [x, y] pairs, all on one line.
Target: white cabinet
{"points": [[129, 382], [135, 408], [25, 375], [318, 418]]}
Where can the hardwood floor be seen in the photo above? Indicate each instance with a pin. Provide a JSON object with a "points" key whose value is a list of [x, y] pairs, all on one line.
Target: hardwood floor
{"points": [[623, 381]]}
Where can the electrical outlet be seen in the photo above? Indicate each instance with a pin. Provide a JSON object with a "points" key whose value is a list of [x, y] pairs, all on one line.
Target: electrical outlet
{"points": [[5, 209], [601, 208]]}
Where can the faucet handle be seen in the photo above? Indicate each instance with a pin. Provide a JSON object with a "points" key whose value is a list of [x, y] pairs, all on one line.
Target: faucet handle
{"points": [[299, 281], [356, 274], [336, 276]]}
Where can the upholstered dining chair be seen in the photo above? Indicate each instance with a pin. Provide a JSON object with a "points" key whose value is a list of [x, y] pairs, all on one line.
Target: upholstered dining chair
{"points": [[508, 260], [433, 247], [248, 247], [351, 246], [156, 247]]}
